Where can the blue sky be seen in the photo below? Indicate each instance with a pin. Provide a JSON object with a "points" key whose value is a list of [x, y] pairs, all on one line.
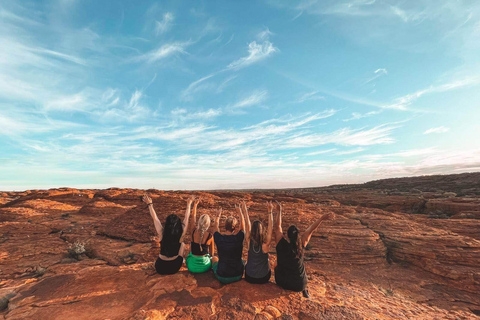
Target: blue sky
{"points": [[236, 94]]}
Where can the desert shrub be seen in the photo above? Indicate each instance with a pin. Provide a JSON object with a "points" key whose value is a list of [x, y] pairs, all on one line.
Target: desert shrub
{"points": [[39, 271], [76, 249], [80, 248]]}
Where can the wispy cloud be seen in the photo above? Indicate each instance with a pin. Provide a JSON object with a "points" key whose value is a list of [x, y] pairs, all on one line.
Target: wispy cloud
{"points": [[256, 52], [377, 74], [309, 96], [253, 99], [316, 153], [346, 137], [196, 86], [163, 52], [437, 130], [184, 114], [351, 151], [357, 115], [404, 102], [264, 34], [164, 24]]}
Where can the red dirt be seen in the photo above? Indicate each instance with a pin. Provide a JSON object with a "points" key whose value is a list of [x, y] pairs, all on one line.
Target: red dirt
{"points": [[383, 257]]}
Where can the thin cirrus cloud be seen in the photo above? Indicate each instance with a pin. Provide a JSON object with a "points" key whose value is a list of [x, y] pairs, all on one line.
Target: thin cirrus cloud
{"points": [[441, 129], [164, 24], [404, 102], [253, 99], [256, 52], [163, 52], [381, 134]]}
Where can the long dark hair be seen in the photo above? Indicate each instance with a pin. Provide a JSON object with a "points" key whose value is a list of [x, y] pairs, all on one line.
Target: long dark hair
{"points": [[257, 233], [172, 232], [295, 241]]}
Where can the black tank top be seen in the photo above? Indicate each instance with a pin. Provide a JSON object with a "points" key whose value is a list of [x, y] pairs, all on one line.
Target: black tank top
{"points": [[289, 265], [199, 249], [169, 248]]}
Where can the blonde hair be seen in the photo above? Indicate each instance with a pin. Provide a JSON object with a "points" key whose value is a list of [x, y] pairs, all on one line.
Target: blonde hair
{"points": [[202, 225], [231, 224]]}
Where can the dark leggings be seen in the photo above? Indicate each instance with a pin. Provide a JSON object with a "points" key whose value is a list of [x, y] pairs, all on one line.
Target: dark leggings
{"points": [[168, 266], [265, 279]]}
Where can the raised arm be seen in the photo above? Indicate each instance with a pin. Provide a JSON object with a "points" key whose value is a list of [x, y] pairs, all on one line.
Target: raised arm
{"points": [[216, 227], [242, 218], [278, 227], [193, 223], [248, 224], [268, 240], [187, 217], [212, 247], [308, 233], [153, 214]]}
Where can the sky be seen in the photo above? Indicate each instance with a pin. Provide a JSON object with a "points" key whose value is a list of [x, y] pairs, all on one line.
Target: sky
{"points": [[236, 94]]}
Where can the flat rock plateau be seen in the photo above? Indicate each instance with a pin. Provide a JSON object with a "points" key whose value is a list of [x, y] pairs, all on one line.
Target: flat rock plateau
{"points": [[406, 248]]}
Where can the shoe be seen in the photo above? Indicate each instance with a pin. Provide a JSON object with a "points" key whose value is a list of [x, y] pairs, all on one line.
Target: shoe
{"points": [[306, 294]]}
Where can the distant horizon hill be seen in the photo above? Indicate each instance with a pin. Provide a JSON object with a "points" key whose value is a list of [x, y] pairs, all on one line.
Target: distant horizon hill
{"points": [[461, 182]]}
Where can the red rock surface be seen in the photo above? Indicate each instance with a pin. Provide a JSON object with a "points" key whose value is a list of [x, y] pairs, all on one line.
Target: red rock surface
{"points": [[376, 260]]}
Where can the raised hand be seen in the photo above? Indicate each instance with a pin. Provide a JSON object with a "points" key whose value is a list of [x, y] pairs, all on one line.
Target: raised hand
{"points": [[219, 215], [269, 206], [190, 200], [147, 199], [279, 206], [197, 201], [329, 216]]}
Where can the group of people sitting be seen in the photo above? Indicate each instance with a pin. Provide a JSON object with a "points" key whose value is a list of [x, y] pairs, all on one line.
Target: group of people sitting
{"points": [[229, 266]]}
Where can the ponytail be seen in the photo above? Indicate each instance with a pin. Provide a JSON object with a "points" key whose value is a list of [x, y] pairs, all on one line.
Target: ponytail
{"points": [[295, 241], [203, 225]]}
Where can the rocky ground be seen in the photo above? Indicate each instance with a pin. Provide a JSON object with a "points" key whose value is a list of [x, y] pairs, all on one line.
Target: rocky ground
{"points": [[399, 249]]}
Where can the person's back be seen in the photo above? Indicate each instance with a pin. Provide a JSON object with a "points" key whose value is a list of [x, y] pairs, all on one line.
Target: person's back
{"points": [[257, 269], [290, 271], [229, 247], [200, 249], [199, 259]]}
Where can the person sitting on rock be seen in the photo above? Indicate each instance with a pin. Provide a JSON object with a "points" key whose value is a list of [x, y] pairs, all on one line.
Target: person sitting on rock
{"points": [[171, 237], [257, 269], [230, 265], [290, 271], [199, 260]]}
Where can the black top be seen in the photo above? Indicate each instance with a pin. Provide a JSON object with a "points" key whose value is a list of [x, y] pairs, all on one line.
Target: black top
{"points": [[288, 265], [229, 249], [169, 249], [199, 249]]}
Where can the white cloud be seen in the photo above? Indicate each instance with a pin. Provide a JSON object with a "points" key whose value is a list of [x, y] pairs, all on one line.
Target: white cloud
{"points": [[196, 86], [310, 96], [164, 25], [264, 34], [346, 137], [183, 114], [356, 115], [253, 99], [351, 151], [404, 102], [315, 153], [256, 52], [378, 73], [437, 130], [163, 52]]}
